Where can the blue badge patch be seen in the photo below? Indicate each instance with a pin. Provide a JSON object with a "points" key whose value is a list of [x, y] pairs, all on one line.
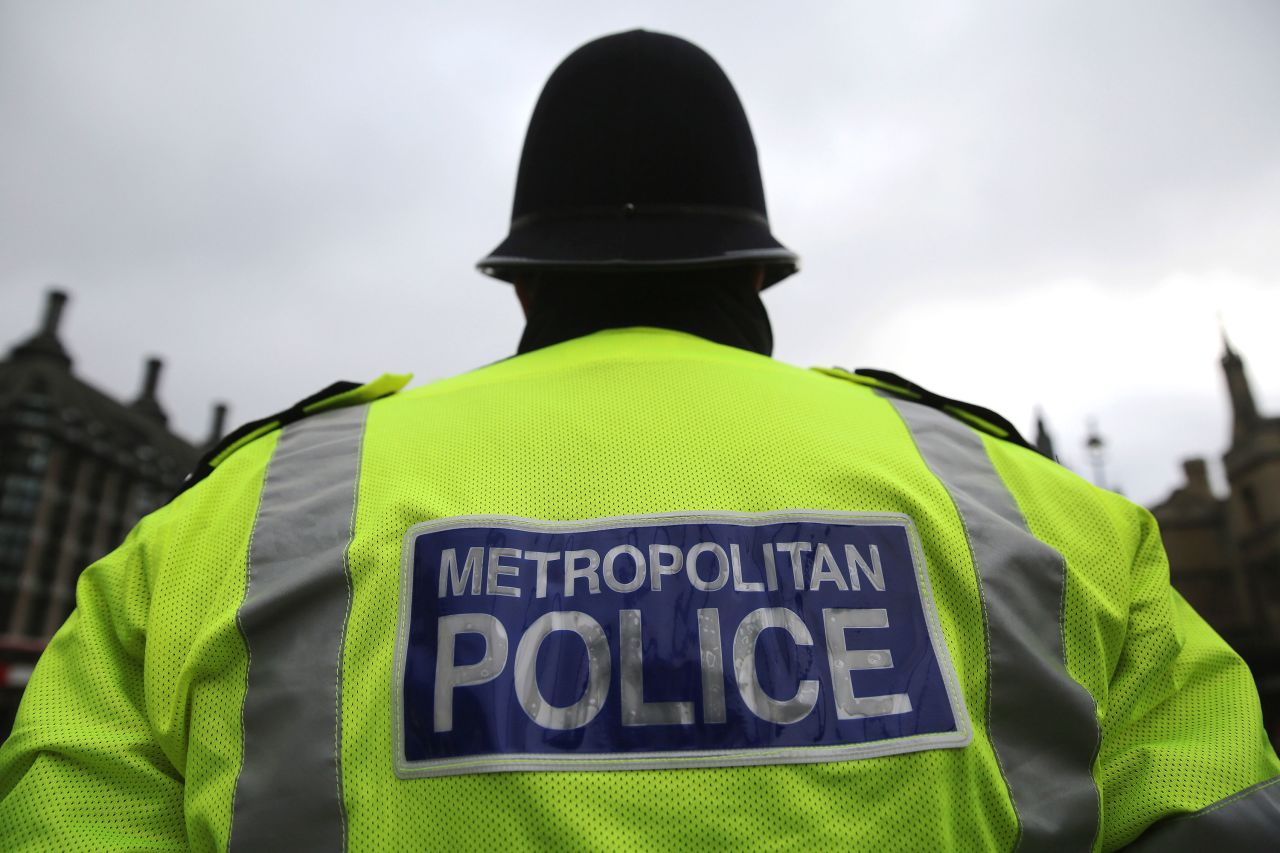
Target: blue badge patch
{"points": [[681, 640]]}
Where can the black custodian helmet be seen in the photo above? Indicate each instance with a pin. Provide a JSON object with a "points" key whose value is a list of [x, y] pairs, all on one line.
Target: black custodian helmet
{"points": [[639, 157]]}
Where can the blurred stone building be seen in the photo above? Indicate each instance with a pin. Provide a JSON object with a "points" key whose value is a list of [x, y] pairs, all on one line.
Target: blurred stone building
{"points": [[1224, 552], [77, 470]]}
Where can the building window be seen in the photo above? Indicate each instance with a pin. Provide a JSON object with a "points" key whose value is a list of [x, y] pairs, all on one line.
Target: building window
{"points": [[13, 545], [19, 495]]}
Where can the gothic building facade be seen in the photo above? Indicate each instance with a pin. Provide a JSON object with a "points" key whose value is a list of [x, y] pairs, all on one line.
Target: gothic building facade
{"points": [[77, 470], [1224, 552]]}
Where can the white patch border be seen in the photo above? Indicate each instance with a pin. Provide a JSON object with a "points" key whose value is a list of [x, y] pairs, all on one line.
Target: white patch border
{"points": [[960, 737]]}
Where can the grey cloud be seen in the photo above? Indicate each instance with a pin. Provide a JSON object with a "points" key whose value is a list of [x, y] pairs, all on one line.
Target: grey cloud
{"points": [[276, 195]]}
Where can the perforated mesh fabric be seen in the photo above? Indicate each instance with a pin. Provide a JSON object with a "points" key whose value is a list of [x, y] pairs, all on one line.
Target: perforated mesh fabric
{"points": [[129, 735], [140, 690], [1180, 718], [642, 421]]}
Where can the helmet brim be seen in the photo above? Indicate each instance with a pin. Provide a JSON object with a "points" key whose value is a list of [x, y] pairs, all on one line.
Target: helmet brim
{"points": [[639, 242]]}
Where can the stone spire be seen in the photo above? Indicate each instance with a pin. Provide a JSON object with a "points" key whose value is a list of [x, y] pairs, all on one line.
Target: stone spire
{"points": [[1044, 441], [1244, 411]]}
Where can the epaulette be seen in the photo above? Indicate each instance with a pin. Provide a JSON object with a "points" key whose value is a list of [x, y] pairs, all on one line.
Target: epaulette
{"points": [[978, 417], [337, 396]]}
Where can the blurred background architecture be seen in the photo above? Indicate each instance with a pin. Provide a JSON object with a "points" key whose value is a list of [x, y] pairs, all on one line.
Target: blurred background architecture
{"points": [[79, 468], [1224, 551]]}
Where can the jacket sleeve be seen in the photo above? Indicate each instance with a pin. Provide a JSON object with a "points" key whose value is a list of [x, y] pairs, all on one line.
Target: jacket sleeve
{"points": [[83, 769], [1184, 758]]}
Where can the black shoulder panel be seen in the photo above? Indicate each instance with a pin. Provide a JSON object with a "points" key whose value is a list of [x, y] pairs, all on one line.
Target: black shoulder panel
{"points": [[243, 434], [978, 417]]}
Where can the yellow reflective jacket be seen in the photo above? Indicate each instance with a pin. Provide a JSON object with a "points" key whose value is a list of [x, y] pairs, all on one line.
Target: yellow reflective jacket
{"points": [[243, 671]]}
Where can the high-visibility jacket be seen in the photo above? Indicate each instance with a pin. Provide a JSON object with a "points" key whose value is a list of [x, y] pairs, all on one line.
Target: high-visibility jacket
{"points": [[637, 590]]}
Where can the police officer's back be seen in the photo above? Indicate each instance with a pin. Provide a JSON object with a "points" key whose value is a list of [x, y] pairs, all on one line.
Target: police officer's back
{"points": [[639, 586]]}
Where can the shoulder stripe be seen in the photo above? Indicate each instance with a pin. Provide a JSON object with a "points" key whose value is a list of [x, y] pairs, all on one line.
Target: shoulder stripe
{"points": [[289, 792], [1042, 723], [336, 396], [387, 383], [869, 381], [978, 417]]}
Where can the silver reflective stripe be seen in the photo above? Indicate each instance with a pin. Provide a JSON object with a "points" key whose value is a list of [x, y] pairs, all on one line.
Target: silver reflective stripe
{"points": [[289, 793], [1042, 723], [1249, 820]]}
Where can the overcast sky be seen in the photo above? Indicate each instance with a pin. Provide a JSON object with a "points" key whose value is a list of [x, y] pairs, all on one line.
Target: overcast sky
{"points": [[1014, 204]]}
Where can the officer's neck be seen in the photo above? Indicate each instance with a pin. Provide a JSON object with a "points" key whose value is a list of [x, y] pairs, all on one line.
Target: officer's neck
{"points": [[726, 313]]}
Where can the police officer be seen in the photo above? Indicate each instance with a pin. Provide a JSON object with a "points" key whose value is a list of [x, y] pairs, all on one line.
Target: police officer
{"points": [[640, 586]]}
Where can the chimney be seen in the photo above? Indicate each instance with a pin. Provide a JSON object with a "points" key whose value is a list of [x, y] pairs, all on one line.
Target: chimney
{"points": [[147, 404], [53, 305], [1197, 473], [45, 343], [217, 425], [152, 381]]}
